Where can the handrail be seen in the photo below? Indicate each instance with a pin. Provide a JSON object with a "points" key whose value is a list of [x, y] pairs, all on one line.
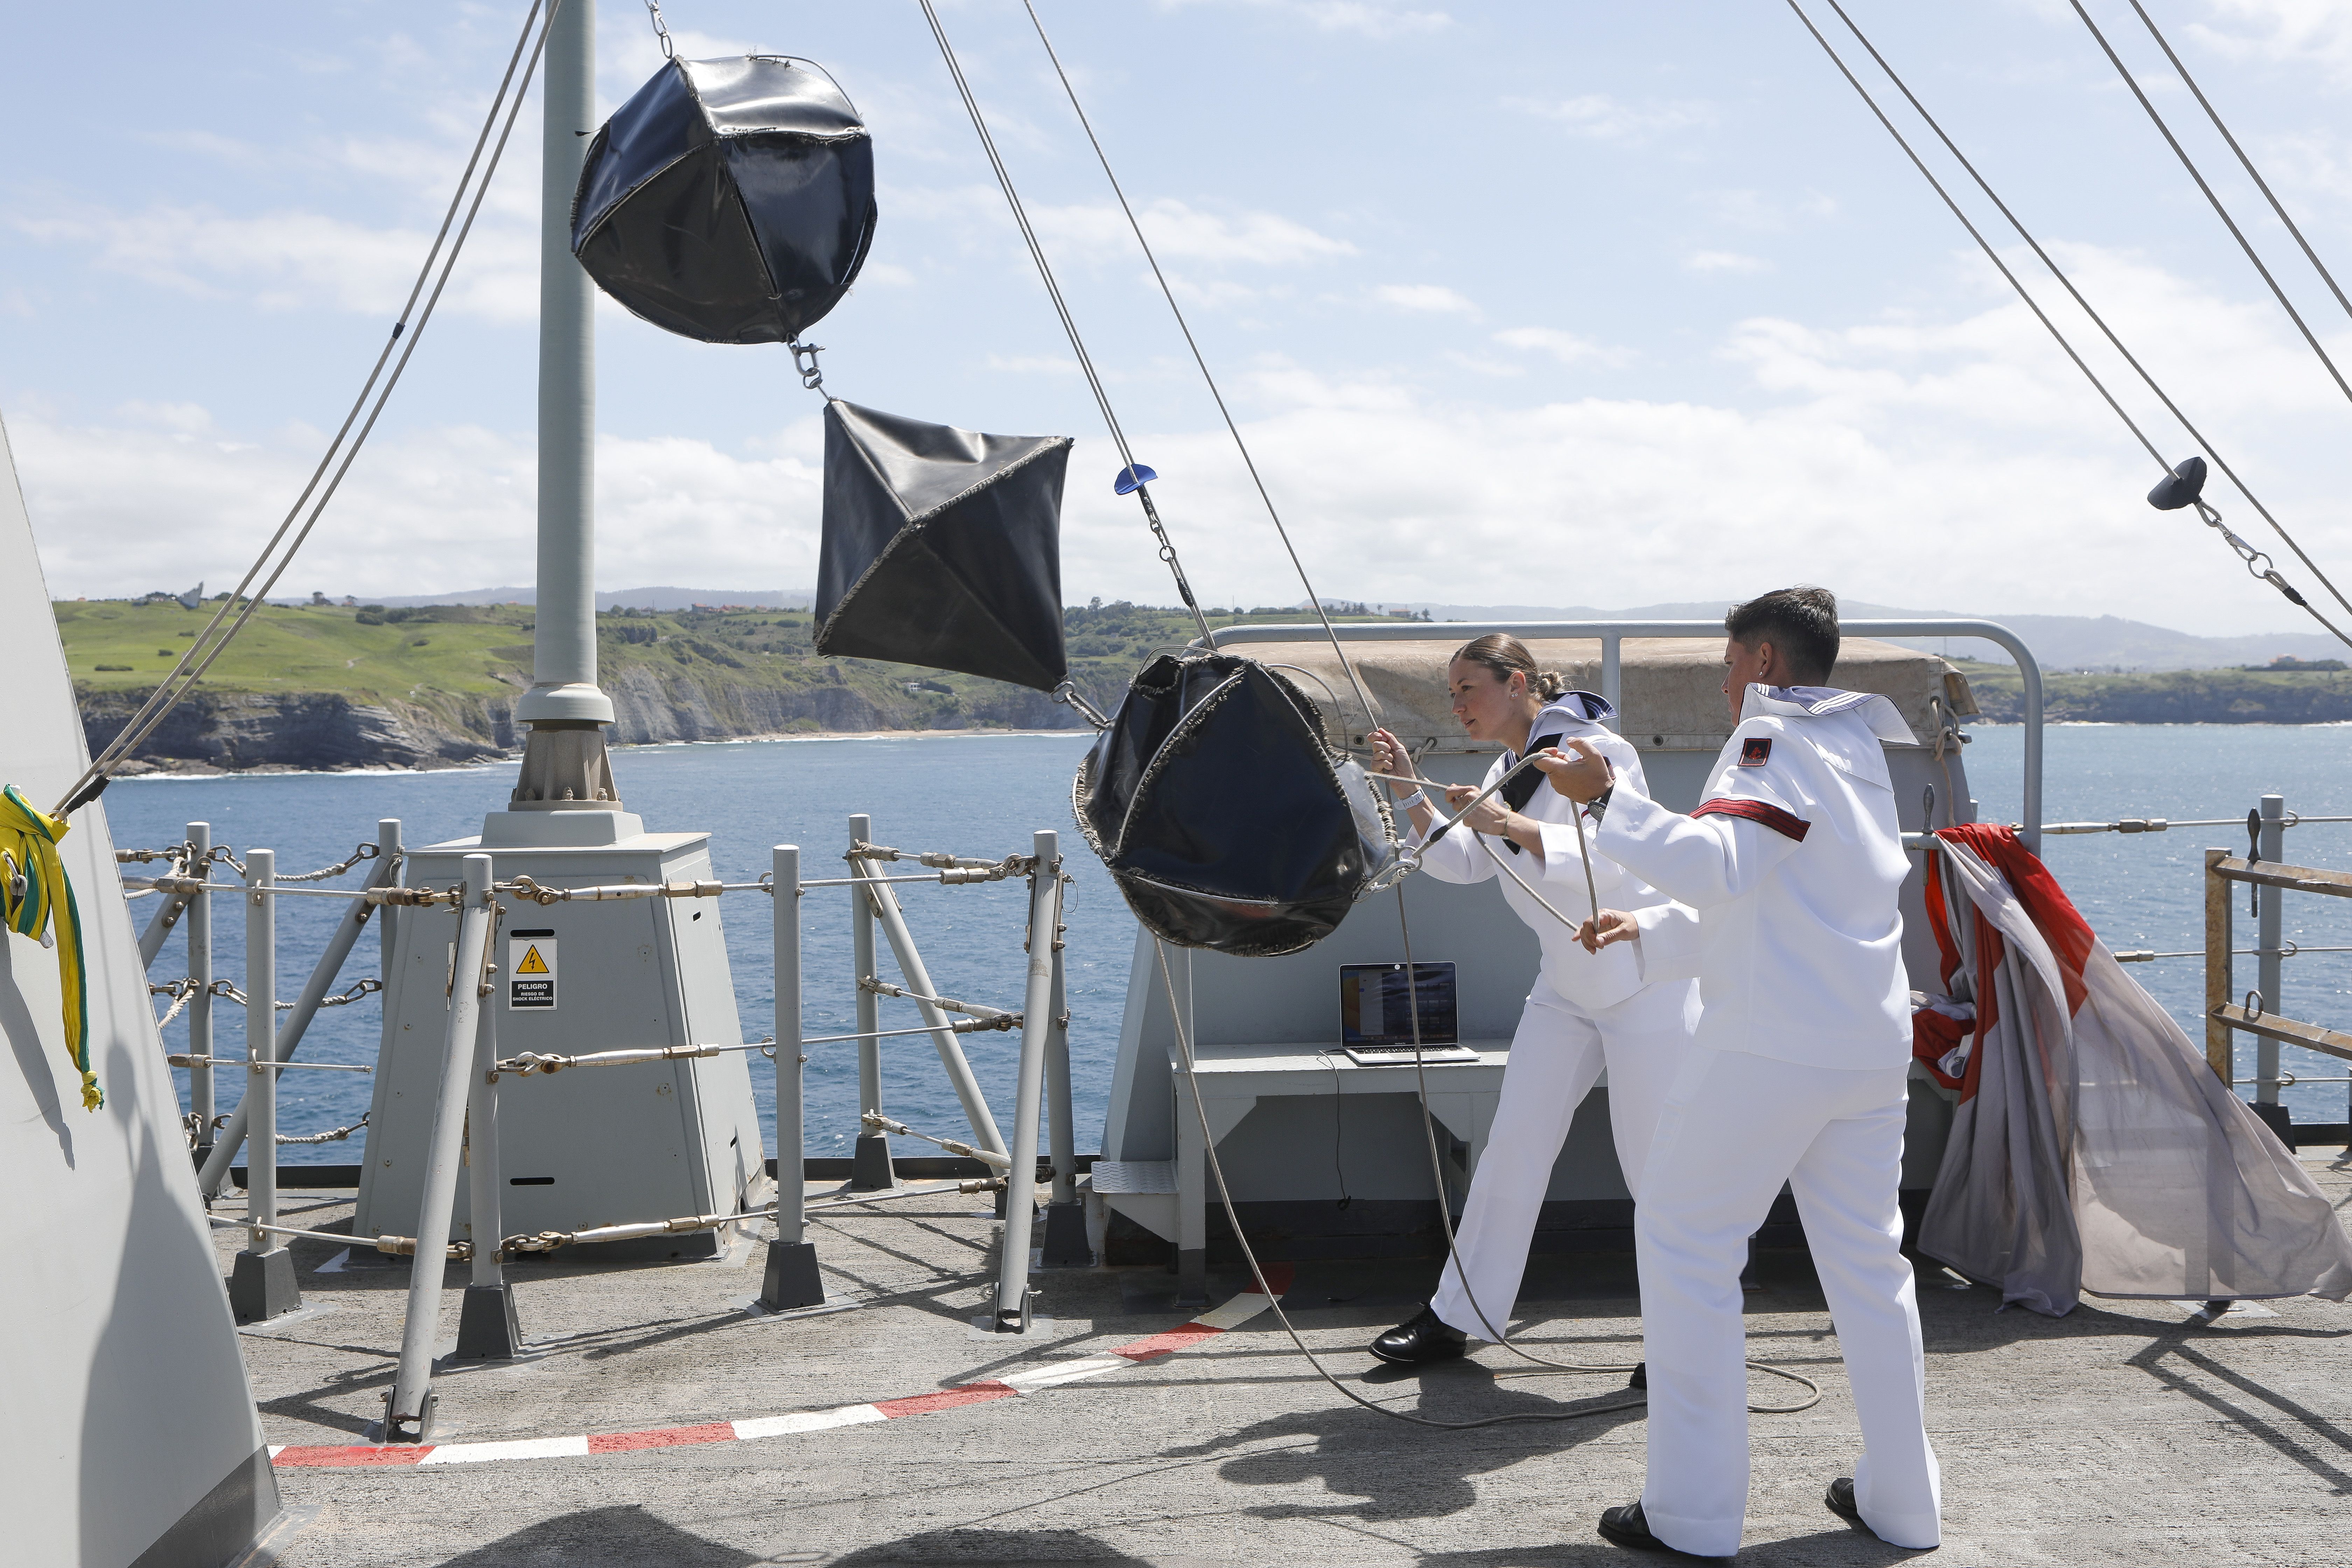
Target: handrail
{"points": [[1612, 632]]}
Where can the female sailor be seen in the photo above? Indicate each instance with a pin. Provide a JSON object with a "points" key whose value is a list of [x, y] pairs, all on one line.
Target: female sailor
{"points": [[1587, 1011]]}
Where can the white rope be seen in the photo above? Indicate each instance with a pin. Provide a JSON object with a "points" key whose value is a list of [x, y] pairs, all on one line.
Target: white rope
{"points": [[337, 1136]]}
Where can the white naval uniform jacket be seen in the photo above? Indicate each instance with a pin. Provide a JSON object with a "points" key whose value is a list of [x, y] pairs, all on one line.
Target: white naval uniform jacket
{"points": [[1785, 881], [1589, 981]]}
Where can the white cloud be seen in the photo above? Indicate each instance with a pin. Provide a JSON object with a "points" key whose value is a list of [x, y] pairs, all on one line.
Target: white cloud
{"points": [[1607, 119], [440, 508], [1566, 347], [1952, 459], [1371, 18], [1183, 233], [1723, 261], [2283, 31], [1429, 299], [296, 260]]}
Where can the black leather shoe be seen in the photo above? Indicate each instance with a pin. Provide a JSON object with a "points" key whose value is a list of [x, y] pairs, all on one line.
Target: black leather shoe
{"points": [[1424, 1336], [1641, 1378], [1839, 1498], [1626, 1527]]}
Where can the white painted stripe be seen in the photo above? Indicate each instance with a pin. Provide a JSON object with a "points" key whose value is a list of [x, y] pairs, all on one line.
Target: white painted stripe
{"points": [[277, 1449], [517, 1448], [1063, 1371], [808, 1421], [1235, 1312]]}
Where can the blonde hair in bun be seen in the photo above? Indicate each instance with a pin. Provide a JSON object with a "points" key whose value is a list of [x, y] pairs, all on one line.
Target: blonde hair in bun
{"points": [[1505, 655]]}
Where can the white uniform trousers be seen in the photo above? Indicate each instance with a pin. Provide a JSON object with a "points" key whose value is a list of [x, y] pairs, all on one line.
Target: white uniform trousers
{"points": [[1735, 1126], [1556, 1056]]}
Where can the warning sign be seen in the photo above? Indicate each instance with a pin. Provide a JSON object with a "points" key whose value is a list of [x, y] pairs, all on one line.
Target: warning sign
{"points": [[530, 969]]}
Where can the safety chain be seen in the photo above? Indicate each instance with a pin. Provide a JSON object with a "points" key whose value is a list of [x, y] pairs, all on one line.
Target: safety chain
{"points": [[358, 989], [661, 30], [228, 990], [805, 361], [2250, 555], [337, 1136], [364, 852]]}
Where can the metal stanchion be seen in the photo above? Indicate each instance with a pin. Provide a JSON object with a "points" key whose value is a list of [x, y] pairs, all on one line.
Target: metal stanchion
{"points": [[935, 1018], [200, 1001], [2271, 903], [261, 1284], [1009, 1311], [323, 976], [1066, 1216], [487, 1329], [792, 1279], [869, 1169], [409, 1414]]}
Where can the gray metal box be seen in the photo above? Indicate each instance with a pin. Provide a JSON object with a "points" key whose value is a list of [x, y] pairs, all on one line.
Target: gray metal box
{"points": [[594, 1145]]}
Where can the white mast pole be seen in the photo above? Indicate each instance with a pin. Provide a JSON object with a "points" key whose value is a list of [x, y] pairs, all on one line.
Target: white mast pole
{"points": [[564, 758]]}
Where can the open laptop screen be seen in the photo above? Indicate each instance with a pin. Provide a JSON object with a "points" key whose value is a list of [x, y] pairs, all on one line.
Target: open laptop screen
{"points": [[1376, 1009]]}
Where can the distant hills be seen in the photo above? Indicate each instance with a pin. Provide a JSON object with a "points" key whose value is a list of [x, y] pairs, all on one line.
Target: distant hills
{"points": [[2060, 642], [625, 598]]}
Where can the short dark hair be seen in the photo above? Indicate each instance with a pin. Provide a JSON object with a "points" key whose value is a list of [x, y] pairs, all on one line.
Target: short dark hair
{"points": [[1800, 621]]}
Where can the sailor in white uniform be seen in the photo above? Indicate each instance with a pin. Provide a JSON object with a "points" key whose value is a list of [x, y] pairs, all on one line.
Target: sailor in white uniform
{"points": [[1586, 1011], [1785, 879]]}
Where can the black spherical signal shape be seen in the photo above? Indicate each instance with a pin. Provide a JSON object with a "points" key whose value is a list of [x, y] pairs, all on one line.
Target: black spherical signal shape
{"points": [[730, 201]]}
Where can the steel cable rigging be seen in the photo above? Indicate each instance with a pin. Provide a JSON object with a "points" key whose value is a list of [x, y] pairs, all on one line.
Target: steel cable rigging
{"points": [[2253, 174], [2211, 196], [1371, 716], [2245, 552], [1134, 476], [208, 647]]}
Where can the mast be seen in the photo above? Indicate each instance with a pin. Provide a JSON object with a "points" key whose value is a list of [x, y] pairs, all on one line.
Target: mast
{"points": [[564, 763]]}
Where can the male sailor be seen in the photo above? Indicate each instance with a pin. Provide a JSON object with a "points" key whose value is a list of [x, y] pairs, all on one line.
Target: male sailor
{"points": [[1785, 879], [1585, 1012]]}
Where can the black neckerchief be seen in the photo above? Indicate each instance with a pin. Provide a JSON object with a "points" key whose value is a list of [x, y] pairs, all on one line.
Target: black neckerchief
{"points": [[1522, 789]]}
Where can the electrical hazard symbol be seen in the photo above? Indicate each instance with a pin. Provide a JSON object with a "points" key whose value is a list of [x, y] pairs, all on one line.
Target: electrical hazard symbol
{"points": [[530, 969]]}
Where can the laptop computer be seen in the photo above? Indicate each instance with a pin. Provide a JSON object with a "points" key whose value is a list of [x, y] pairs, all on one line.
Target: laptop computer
{"points": [[1377, 1004]]}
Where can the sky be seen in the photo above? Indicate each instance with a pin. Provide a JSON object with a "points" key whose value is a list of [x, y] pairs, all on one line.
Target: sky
{"points": [[1563, 302]]}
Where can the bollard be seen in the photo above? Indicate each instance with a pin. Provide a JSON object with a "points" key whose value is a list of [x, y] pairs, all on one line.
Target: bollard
{"points": [[409, 1413], [792, 1279], [869, 1167], [200, 1004], [261, 1284], [1009, 1311], [487, 1329]]}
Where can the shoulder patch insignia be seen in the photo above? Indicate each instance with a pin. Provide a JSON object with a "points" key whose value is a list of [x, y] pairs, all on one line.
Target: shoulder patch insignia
{"points": [[1755, 752]]}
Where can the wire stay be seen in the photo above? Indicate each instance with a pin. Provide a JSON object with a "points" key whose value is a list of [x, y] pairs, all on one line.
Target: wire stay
{"points": [[2033, 305], [211, 642], [1372, 714]]}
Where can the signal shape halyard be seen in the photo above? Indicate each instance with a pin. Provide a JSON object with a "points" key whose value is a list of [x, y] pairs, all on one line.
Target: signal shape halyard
{"points": [[942, 547], [1226, 818], [731, 200]]}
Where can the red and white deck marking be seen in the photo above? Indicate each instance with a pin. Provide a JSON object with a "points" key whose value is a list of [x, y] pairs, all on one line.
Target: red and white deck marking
{"points": [[1053, 1374]]}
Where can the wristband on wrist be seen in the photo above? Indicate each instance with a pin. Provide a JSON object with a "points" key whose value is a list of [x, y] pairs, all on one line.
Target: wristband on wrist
{"points": [[1599, 805]]}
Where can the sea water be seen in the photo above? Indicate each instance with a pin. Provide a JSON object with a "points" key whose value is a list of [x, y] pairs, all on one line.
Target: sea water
{"points": [[983, 795]]}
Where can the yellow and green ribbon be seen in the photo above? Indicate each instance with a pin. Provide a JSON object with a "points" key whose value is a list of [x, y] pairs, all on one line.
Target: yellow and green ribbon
{"points": [[36, 895]]}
